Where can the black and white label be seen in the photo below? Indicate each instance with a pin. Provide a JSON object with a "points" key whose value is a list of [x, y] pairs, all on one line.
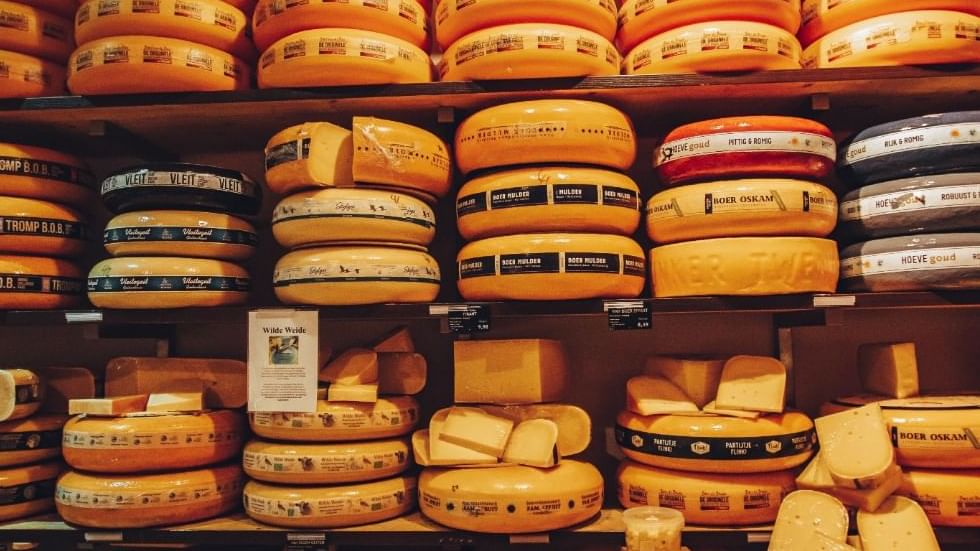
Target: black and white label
{"points": [[287, 152], [180, 179], [42, 489], [917, 200], [478, 267], [37, 440], [182, 233], [944, 135], [167, 284], [740, 142], [530, 263], [910, 261], [620, 197], [471, 204], [634, 265], [16, 283], [525, 196], [575, 194], [466, 319], [596, 263], [721, 448], [19, 166], [45, 227], [628, 315]]}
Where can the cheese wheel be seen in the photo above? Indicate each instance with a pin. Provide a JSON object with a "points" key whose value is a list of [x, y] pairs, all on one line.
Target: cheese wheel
{"points": [[546, 131], [529, 50], [166, 282], [28, 490], [38, 283], [456, 18], [716, 46], [131, 64], [341, 421], [35, 32], [247, 6], [749, 266], [548, 198], [21, 393], [342, 57], [771, 146], [29, 226], [551, 266], [145, 442], [710, 444], [924, 37], [343, 214], [180, 186], [30, 440], [180, 232], [326, 463], [356, 274], [144, 500], [24, 76], [824, 16], [931, 261], [330, 506], [741, 208], [949, 497], [39, 173], [63, 8], [706, 499], [512, 500]]}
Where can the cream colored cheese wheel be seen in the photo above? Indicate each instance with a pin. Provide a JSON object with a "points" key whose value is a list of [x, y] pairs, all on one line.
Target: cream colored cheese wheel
{"points": [[341, 421], [39, 283], [27, 76], [948, 497], [31, 440], [28, 490], [30, 226], [166, 282], [342, 462], [824, 16], [39, 173], [35, 32], [456, 18], [180, 233]]}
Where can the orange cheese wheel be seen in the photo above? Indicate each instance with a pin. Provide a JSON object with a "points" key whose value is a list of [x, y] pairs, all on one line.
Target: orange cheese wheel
{"points": [[30, 226], [166, 282], [64, 8], [341, 421], [31, 440], [824, 16], [38, 283], [28, 490], [328, 463], [35, 32], [456, 18], [24, 76], [40, 173], [180, 232]]}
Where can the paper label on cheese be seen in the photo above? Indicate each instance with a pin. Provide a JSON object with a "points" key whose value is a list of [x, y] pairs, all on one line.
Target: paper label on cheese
{"points": [[359, 504], [22, 493], [508, 506], [167, 284], [35, 440], [643, 6], [548, 194], [945, 438], [183, 179], [331, 463], [351, 419], [16, 283], [709, 500], [35, 168], [156, 439], [119, 496], [915, 139], [338, 272], [138, 234], [737, 142], [503, 135], [739, 201], [552, 263], [910, 201], [339, 45], [722, 448], [379, 208], [46, 227], [912, 260]]}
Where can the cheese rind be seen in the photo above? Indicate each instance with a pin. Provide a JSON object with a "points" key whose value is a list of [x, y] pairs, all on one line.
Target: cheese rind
{"points": [[180, 186], [698, 377], [31, 440], [752, 383], [35, 32], [816, 476], [169, 402], [29, 490], [933, 261], [519, 371], [223, 380], [802, 515], [457, 19], [825, 16], [654, 395], [30, 77], [353, 393], [354, 366], [21, 394], [166, 282], [574, 423], [116, 405], [477, 430], [900, 523], [889, 369], [39, 283], [948, 497], [340, 421], [180, 233], [39, 173], [713, 409], [855, 447], [345, 462], [533, 443], [29, 226]]}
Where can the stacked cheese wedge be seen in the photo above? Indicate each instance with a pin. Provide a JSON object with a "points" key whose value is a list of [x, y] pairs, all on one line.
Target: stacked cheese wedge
{"points": [[35, 42], [915, 212], [744, 212], [495, 462], [548, 210]]}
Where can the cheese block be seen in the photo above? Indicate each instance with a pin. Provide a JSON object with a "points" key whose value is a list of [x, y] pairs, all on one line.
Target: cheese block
{"points": [[27, 76], [30, 440], [716, 46], [180, 233], [143, 500], [889, 369], [143, 442], [516, 371], [654, 395], [517, 499], [948, 497], [340, 214], [21, 393], [330, 506], [171, 402], [306, 464], [477, 430], [825, 16], [341, 421], [533, 443], [180, 186], [924, 37], [752, 383], [551, 266], [39, 173], [401, 372], [697, 376], [64, 8], [574, 423], [529, 50], [116, 405], [342, 57], [932, 261], [546, 131], [816, 476], [397, 341], [356, 274], [711, 444], [30, 226], [900, 523], [705, 499], [130, 64], [353, 393], [749, 266], [441, 452], [166, 282], [28, 490], [855, 447], [63, 384], [543, 199], [223, 381], [804, 516], [38, 283], [35, 32], [355, 366]]}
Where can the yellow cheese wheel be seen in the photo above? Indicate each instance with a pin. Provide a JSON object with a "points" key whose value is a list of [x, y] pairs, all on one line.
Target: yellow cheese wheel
{"points": [[129, 64], [551, 266], [751, 266], [39, 173], [38, 283], [548, 198], [714, 444], [144, 500], [166, 282], [30, 226], [824, 16], [344, 462], [529, 50], [356, 274], [21, 393], [341, 421], [949, 497], [24, 76], [716, 46], [64, 8], [35, 32], [513, 499], [546, 131], [180, 232], [30, 440], [741, 208], [456, 18], [908, 38], [28, 490], [144, 442], [342, 57], [330, 506]]}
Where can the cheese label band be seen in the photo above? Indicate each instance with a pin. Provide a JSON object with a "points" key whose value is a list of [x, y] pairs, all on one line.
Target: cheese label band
{"points": [[557, 194], [916, 139], [904, 261], [154, 439], [21, 166], [488, 506], [910, 201], [287, 153], [341, 463], [552, 263], [331, 506], [966, 506], [42, 489], [173, 233], [708, 500], [189, 10], [332, 272], [724, 203], [53, 285], [349, 420], [120, 497], [47, 227], [738, 142], [375, 209], [27, 394], [945, 438], [185, 179], [722, 448], [167, 283], [35, 440]]}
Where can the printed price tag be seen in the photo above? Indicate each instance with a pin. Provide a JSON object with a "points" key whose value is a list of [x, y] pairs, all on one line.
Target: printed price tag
{"points": [[467, 319], [283, 360], [628, 315]]}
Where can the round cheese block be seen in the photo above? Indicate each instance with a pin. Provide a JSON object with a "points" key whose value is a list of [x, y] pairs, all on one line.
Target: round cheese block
{"points": [[771, 146], [512, 500], [287, 463], [931, 261], [546, 199], [30, 440], [824, 16], [330, 506], [181, 186], [551, 266], [342, 57], [28, 76], [341, 421], [144, 442], [21, 393], [709, 444], [35, 32], [706, 499], [39, 173], [180, 232], [749, 266], [145, 500], [741, 208], [948, 497], [529, 50], [546, 131], [63, 8], [28, 490], [30, 226], [166, 282], [39, 283], [247, 6]]}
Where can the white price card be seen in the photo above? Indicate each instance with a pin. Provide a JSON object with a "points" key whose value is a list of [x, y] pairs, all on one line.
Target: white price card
{"points": [[283, 360]]}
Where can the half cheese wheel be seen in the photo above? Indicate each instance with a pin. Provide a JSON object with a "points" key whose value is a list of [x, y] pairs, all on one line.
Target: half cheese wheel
{"points": [[64, 8], [166, 282], [181, 186], [341, 421], [38, 283], [30, 440], [28, 490], [180, 232], [326, 463], [39, 173], [551, 266], [29, 226], [24, 76], [949, 497], [938, 261], [824, 16], [21, 393], [35, 32], [456, 18]]}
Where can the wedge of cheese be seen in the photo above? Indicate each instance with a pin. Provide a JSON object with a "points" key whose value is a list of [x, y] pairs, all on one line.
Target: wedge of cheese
{"points": [[647, 395], [574, 423], [899, 523], [698, 377], [817, 477], [856, 447], [401, 372], [398, 340], [477, 430], [804, 514], [355, 366], [889, 369], [444, 453], [533, 443], [752, 383]]}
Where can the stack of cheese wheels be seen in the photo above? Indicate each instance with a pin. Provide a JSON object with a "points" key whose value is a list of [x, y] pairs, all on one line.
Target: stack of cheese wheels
{"points": [[699, 36], [915, 212], [175, 238], [744, 212], [358, 213], [35, 42], [512, 39], [547, 209]]}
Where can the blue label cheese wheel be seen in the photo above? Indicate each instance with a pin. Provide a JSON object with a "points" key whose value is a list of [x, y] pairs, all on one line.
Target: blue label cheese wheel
{"points": [[180, 233], [344, 462], [39, 173], [31, 440], [29, 226], [39, 283], [166, 282], [824, 16], [181, 186], [35, 32], [24, 76], [549, 198], [341, 421], [948, 497], [933, 261], [28, 490]]}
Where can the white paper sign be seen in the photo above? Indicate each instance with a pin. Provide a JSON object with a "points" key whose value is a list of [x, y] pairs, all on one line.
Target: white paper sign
{"points": [[283, 360]]}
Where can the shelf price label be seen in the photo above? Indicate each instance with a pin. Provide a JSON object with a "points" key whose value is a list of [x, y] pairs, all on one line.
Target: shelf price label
{"points": [[466, 319], [307, 541], [283, 360], [628, 315]]}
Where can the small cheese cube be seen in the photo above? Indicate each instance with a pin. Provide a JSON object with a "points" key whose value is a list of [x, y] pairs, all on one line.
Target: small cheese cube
{"points": [[401, 372], [477, 430], [443, 453], [899, 523], [117, 405], [889, 369], [752, 383], [856, 447], [352, 393], [697, 377], [399, 340], [533, 443], [355, 366], [523, 371], [802, 515], [647, 395], [817, 477]]}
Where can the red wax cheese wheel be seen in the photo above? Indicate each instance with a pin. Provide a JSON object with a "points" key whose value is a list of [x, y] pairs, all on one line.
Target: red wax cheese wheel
{"points": [[40, 173], [825, 16], [38, 283], [29, 226], [28, 76]]}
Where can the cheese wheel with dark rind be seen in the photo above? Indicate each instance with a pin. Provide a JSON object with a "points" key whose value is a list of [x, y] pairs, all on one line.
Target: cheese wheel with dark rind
{"points": [[180, 186], [31, 440], [948, 497], [341, 421], [30, 226], [180, 233], [825, 16], [28, 76], [343, 462], [28, 490], [457, 18], [166, 282], [35, 32], [39, 173], [931, 261], [39, 283]]}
